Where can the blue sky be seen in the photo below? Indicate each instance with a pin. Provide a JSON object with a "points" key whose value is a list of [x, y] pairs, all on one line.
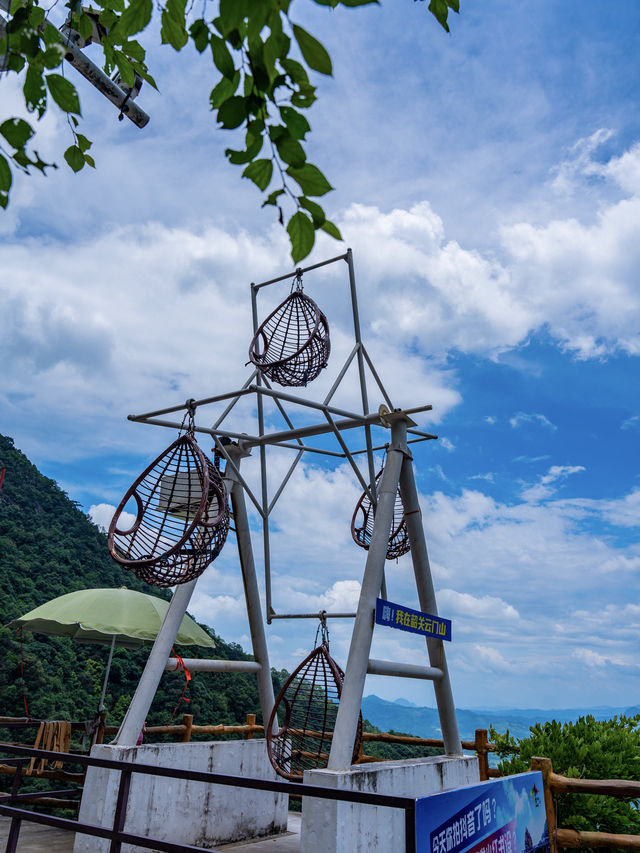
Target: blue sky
{"points": [[488, 182]]}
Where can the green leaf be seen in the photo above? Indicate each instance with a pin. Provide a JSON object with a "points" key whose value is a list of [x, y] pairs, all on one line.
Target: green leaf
{"points": [[302, 235], [134, 50], [440, 9], [295, 70], [173, 30], [232, 112], [272, 198], [260, 172], [295, 121], [331, 229], [173, 33], [84, 144], [223, 90], [125, 68], [232, 13], [240, 157], [35, 92], [85, 27], [357, 2], [74, 157], [199, 32], [454, 4], [314, 53], [310, 179], [52, 56], [221, 57], [16, 131], [290, 151], [63, 93], [134, 18], [317, 213], [5, 181]]}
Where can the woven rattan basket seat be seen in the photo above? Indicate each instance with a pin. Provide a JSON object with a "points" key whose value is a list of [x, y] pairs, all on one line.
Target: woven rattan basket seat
{"points": [[362, 526], [181, 517], [306, 708], [292, 345]]}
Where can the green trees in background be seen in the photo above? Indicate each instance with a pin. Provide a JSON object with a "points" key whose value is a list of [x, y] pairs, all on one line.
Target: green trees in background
{"points": [[49, 547], [586, 749], [259, 57]]}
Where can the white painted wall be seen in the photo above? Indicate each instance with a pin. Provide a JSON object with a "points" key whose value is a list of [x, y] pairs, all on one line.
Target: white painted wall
{"points": [[182, 811], [332, 827]]}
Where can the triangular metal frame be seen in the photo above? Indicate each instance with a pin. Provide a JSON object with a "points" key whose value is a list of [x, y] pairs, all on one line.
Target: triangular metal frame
{"points": [[398, 472]]}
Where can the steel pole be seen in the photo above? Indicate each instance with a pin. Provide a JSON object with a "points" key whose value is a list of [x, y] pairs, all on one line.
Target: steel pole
{"points": [[250, 581], [427, 598], [341, 754], [106, 675], [155, 666]]}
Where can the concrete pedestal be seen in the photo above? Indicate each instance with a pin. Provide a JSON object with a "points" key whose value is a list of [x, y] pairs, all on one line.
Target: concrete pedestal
{"points": [[182, 811], [333, 827]]}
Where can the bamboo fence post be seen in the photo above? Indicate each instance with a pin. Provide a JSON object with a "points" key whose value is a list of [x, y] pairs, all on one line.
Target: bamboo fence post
{"points": [[251, 721], [187, 722], [545, 766], [482, 751]]}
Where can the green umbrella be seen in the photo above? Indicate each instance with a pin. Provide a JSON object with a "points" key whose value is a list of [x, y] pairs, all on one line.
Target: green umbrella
{"points": [[116, 617]]}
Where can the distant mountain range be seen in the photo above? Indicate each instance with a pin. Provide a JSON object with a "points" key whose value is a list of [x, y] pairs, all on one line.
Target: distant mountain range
{"points": [[403, 716]]}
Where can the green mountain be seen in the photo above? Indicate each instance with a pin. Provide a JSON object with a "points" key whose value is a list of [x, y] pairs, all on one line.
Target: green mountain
{"points": [[49, 547], [402, 715]]}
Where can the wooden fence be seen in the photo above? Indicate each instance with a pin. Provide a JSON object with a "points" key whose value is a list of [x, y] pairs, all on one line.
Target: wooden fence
{"points": [[554, 784]]}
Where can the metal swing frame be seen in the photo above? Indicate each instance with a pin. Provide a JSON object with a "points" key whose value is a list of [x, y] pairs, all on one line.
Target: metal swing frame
{"points": [[398, 472]]}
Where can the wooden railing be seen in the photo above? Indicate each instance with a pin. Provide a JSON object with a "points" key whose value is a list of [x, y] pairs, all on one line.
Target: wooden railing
{"points": [[554, 783], [562, 838]]}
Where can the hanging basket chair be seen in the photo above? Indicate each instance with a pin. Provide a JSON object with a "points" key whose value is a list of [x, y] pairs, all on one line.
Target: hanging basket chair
{"points": [[362, 526], [307, 705], [292, 345], [181, 521]]}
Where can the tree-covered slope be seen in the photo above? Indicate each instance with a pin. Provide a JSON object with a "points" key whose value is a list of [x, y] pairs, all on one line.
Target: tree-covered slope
{"points": [[49, 547]]}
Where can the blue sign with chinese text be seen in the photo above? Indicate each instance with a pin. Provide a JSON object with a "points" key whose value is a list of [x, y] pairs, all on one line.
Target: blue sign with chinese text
{"points": [[406, 619], [502, 816]]}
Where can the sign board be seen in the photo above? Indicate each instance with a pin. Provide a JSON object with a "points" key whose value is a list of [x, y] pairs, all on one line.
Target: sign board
{"points": [[500, 816], [406, 619]]}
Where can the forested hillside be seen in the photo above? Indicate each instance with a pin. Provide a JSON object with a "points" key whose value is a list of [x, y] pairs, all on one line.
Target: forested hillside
{"points": [[49, 547]]}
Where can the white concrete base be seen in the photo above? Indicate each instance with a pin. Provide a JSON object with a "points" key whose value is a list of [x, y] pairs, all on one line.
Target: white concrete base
{"points": [[333, 827], [182, 811]]}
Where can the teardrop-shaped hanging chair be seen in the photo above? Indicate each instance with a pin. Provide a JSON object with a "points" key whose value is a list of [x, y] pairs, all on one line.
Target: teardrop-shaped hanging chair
{"points": [[306, 709], [362, 526], [181, 517], [292, 346]]}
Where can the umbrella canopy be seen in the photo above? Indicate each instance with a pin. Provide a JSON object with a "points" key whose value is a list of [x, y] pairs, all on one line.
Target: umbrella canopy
{"points": [[125, 616]]}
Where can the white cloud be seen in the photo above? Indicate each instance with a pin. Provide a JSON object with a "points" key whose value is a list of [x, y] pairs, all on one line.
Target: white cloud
{"points": [[101, 514], [531, 418], [630, 423], [549, 482], [465, 605]]}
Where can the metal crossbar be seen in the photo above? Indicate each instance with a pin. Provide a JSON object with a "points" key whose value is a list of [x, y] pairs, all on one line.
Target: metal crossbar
{"points": [[118, 836]]}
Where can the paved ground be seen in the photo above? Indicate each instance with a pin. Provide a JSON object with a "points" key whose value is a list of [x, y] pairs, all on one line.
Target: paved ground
{"points": [[35, 838]]}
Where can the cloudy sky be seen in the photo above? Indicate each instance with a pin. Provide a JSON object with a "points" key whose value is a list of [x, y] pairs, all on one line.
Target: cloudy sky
{"points": [[488, 182]]}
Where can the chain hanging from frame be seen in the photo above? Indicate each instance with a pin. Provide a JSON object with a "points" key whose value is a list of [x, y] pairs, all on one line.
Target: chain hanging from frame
{"points": [[305, 712], [292, 345], [362, 525], [181, 516]]}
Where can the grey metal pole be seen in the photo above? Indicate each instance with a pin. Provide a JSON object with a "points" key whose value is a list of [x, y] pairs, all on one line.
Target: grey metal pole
{"points": [[427, 598], [106, 674], [344, 733], [363, 393], [155, 666], [250, 581]]}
